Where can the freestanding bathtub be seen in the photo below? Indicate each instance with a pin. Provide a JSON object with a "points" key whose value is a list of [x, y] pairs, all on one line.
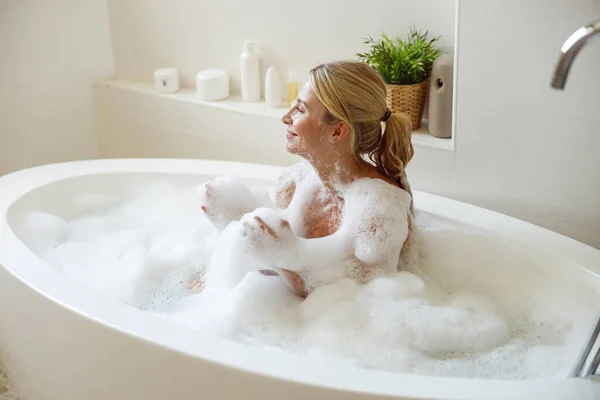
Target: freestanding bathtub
{"points": [[62, 341]]}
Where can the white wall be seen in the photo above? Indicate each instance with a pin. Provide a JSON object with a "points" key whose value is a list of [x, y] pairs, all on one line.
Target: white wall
{"points": [[50, 53], [192, 35], [141, 124], [523, 148]]}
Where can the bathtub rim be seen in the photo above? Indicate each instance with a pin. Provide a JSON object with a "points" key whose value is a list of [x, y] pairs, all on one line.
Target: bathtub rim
{"points": [[142, 326]]}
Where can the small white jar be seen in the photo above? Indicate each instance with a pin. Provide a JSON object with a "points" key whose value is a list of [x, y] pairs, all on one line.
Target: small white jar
{"points": [[166, 80], [212, 84]]}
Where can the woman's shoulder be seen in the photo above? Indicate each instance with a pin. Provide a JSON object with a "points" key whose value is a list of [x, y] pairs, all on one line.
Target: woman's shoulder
{"points": [[377, 194]]}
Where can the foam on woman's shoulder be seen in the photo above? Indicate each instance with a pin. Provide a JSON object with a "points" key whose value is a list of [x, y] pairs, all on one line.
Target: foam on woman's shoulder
{"points": [[376, 214], [377, 196]]}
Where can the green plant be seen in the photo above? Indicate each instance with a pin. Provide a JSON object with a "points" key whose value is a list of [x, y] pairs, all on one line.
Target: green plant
{"points": [[402, 62]]}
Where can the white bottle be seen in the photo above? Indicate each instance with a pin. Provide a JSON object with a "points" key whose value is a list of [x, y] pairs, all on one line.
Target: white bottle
{"points": [[250, 75], [292, 87], [272, 88]]}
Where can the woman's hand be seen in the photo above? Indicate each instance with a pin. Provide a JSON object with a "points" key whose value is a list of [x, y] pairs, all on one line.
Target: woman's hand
{"points": [[266, 227], [226, 199], [270, 235]]}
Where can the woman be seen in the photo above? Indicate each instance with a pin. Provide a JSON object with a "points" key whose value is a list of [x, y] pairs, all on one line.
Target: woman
{"points": [[336, 214]]}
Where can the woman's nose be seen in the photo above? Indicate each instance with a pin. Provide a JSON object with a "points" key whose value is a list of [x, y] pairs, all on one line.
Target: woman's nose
{"points": [[286, 119]]}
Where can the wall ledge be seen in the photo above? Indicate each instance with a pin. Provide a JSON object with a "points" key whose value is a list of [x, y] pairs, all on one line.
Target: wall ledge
{"points": [[420, 137]]}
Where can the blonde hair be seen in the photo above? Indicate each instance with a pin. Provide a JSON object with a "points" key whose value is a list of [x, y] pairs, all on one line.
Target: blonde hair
{"points": [[354, 92]]}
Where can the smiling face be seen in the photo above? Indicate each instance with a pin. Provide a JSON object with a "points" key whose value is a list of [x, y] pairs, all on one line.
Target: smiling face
{"points": [[308, 134]]}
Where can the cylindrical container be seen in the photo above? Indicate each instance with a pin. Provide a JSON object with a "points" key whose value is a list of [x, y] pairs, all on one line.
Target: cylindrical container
{"points": [[272, 88], [166, 80], [292, 87], [440, 97], [250, 74], [212, 84]]}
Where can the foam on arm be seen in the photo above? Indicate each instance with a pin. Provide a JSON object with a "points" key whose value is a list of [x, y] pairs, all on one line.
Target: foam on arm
{"points": [[368, 244], [380, 227], [315, 262]]}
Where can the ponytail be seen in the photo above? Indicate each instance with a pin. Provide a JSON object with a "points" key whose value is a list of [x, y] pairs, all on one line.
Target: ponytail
{"points": [[395, 149], [392, 155]]}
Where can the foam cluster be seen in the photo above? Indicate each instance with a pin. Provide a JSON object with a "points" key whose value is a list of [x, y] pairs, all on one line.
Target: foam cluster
{"points": [[473, 306]]}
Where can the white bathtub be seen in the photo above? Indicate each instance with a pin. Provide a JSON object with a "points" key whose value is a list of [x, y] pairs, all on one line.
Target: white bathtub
{"points": [[62, 341]]}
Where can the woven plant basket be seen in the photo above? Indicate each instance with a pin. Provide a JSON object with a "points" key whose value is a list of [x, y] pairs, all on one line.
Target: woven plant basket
{"points": [[409, 99]]}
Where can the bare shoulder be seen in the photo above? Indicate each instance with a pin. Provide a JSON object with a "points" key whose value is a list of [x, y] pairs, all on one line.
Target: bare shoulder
{"points": [[287, 183]]}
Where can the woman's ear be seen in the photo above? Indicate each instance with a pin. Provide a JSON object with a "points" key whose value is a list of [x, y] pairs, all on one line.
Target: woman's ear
{"points": [[342, 129]]}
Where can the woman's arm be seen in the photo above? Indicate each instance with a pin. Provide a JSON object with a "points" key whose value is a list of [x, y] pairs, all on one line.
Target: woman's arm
{"points": [[225, 199], [295, 282], [301, 263], [376, 226], [366, 246]]}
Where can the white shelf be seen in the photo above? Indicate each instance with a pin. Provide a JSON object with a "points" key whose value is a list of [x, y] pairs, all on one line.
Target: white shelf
{"points": [[420, 137], [233, 103]]}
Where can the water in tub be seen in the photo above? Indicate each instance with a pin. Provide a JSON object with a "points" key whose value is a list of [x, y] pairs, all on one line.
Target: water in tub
{"points": [[473, 305]]}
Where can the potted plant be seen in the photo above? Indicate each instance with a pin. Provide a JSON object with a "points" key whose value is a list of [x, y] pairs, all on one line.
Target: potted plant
{"points": [[405, 66]]}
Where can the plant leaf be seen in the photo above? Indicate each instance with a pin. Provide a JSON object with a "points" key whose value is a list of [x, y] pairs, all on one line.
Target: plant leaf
{"points": [[402, 62]]}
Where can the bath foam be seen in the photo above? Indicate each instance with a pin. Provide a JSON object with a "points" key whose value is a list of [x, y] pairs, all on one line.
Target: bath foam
{"points": [[145, 251], [473, 306]]}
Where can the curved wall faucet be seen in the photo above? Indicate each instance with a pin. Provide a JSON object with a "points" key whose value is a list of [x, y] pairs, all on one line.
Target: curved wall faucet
{"points": [[569, 51]]}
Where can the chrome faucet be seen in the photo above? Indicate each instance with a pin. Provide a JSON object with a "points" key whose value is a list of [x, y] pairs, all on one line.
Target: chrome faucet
{"points": [[583, 367], [569, 51]]}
